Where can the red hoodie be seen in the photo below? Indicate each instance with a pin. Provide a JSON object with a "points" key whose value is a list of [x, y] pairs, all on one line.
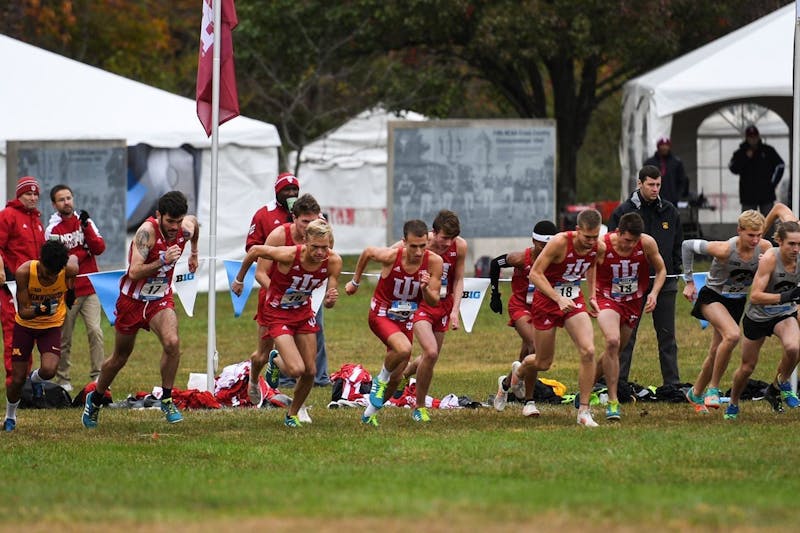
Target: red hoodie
{"points": [[83, 243], [21, 235]]}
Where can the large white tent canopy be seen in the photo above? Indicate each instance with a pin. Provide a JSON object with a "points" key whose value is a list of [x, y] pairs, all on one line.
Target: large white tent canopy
{"points": [[751, 64], [346, 171], [49, 97]]}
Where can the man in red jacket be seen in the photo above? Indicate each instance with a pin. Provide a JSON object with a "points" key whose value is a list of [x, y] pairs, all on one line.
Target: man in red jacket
{"points": [[83, 240], [21, 238]]}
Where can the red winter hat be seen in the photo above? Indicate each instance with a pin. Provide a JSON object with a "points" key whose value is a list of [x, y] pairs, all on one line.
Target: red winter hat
{"points": [[284, 180], [663, 140], [27, 184]]}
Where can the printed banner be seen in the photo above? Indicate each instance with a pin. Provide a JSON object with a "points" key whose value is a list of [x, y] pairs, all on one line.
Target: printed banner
{"points": [[232, 269], [184, 284], [474, 291], [318, 296], [699, 283], [106, 285]]}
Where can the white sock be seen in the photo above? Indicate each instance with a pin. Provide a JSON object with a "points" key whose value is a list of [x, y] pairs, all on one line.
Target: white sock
{"points": [[35, 378], [11, 409], [370, 410], [385, 375]]}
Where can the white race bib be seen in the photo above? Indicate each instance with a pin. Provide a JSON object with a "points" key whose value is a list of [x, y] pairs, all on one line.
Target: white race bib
{"points": [[293, 298], [624, 286], [154, 288], [401, 310], [529, 295], [568, 289]]}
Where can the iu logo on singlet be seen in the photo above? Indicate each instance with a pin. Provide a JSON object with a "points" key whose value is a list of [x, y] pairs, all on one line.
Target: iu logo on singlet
{"points": [[575, 270], [306, 283], [625, 269], [405, 289]]}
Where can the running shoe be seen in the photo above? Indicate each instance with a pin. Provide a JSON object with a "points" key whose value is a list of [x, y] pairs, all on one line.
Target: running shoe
{"points": [[9, 425], [696, 402], [517, 387], [377, 392], [273, 372], [420, 414], [530, 409], [401, 387], [370, 420], [788, 395], [303, 416], [612, 412], [773, 395], [711, 398], [254, 392], [501, 398], [90, 412], [38, 393], [731, 412], [291, 421], [171, 412], [585, 419]]}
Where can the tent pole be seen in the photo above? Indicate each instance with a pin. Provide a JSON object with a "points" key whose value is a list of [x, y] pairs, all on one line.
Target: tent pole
{"points": [[211, 342], [795, 159]]}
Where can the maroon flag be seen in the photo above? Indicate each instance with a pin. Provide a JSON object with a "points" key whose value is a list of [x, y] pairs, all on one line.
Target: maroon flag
{"points": [[228, 95]]}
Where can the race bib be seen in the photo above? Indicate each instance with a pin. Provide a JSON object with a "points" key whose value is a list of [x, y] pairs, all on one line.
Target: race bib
{"points": [[154, 288], [443, 288], [777, 309], [568, 289], [734, 290], [293, 298], [529, 295], [401, 310], [624, 286]]}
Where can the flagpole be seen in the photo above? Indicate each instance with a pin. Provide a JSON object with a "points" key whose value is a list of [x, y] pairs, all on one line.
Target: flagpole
{"points": [[211, 345]]}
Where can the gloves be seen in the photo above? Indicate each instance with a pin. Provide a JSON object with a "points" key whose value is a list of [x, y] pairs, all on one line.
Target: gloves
{"points": [[791, 296], [496, 304], [44, 308], [69, 298], [84, 218]]}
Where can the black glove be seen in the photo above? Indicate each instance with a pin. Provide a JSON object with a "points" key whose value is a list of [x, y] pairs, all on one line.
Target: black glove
{"points": [[44, 308], [496, 304], [84, 218], [791, 296], [69, 298]]}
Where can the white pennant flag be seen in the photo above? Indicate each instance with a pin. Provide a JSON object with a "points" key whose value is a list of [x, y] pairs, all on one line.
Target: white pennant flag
{"points": [[12, 286], [318, 296], [184, 284], [474, 291]]}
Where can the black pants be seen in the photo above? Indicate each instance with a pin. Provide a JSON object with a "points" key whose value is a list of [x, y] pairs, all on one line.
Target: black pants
{"points": [[664, 324]]}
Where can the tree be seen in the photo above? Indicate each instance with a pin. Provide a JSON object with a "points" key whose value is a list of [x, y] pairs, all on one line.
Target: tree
{"points": [[559, 58]]}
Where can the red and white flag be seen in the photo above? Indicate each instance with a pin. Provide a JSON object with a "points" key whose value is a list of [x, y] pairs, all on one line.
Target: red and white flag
{"points": [[228, 95]]}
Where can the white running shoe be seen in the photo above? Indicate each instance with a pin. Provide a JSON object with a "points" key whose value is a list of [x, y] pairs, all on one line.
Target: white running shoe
{"points": [[254, 393], [585, 419], [501, 398], [302, 415], [517, 385], [530, 409]]}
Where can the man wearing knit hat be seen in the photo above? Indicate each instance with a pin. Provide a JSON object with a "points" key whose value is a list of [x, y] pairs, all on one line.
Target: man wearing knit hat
{"points": [[674, 182], [760, 169], [21, 238]]}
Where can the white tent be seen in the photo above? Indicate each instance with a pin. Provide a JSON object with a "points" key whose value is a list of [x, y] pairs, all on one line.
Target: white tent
{"points": [[50, 97], [751, 64], [346, 171]]}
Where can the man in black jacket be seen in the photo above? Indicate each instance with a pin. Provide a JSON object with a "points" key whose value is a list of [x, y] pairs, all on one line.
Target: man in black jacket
{"points": [[661, 221], [760, 169], [674, 182]]}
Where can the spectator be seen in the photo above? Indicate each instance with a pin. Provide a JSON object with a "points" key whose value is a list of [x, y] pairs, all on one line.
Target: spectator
{"points": [[83, 240], [760, 169], [674, 182]]}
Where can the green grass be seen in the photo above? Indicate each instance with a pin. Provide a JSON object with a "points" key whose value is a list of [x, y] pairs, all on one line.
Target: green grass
{"points": [[663, 467]]}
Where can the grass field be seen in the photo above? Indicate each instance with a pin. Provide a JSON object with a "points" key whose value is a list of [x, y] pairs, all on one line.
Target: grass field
{"points": [[662, 467]]}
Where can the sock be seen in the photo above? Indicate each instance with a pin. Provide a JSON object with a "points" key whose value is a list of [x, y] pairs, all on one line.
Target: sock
{"points": [[370, 410], [385, 375], [613, 404], [35, 378], [11, 409], [166, 394]]}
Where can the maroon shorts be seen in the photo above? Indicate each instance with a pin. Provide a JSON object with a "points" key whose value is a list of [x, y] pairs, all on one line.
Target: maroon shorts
{"points": [[133, 315], [547, 315], [47, 340], [281, 325], [439, 315], [384, 327], [629, 312]]}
